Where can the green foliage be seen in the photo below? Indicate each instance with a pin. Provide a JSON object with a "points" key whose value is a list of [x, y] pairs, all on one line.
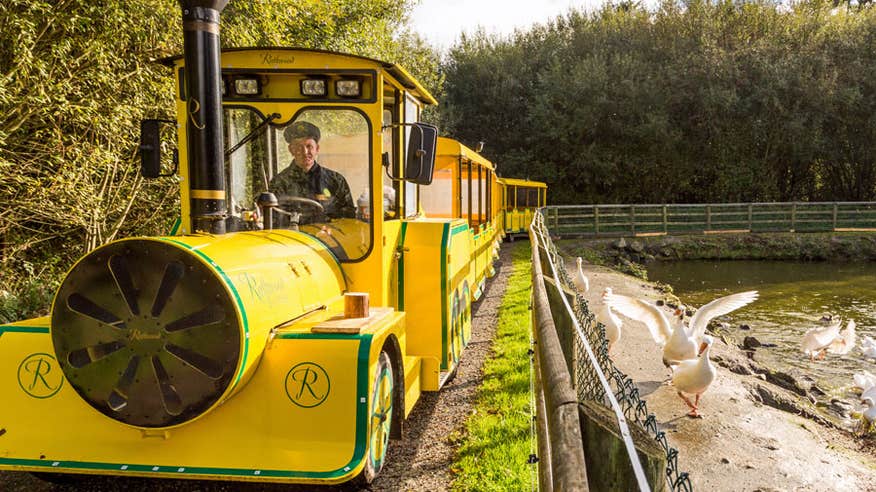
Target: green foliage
{"points": [[690, 102], [496, 444], [76, 78]]}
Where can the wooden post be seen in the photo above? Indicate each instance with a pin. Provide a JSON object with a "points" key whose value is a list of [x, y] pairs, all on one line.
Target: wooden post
{"points": [[596, 220], [633, 219], [665, 222], [834, 215], [708, 217], [749, 218], [356, 305], [793, 215], [608, 464]]}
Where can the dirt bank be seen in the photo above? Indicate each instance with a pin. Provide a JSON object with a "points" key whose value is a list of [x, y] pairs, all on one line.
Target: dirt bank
{"points": [[741, 443], [632, 255]]}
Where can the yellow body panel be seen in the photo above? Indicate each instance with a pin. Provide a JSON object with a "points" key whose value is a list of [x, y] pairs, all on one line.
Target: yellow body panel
{"points": [[276, 428]]}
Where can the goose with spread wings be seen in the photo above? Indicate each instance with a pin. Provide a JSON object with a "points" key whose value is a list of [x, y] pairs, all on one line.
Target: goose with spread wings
{"points": [[818, 341], [679, 343]]}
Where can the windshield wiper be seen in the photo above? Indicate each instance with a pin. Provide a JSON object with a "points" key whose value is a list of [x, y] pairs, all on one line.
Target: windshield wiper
{"points": [[253, 134]]}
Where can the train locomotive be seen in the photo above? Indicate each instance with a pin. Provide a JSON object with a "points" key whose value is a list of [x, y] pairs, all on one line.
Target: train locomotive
{"points": [[231, 349]]}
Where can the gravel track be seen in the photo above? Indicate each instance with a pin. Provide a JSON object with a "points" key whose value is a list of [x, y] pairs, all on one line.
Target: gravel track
{"points": [[419, 462]]}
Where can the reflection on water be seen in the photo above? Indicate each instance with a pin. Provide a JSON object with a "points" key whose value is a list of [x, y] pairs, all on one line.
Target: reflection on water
{"points": [[793, 297]]}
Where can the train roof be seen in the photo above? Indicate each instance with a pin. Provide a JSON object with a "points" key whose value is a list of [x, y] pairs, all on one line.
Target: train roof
{"points": [[522, 182], [448, 147], [301, 59]]}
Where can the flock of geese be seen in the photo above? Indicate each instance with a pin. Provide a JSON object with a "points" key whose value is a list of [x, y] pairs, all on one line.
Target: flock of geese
{"points": [[686, 345]]}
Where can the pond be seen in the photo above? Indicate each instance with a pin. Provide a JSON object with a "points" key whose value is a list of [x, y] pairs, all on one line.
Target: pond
{"points": [[793, 298]]}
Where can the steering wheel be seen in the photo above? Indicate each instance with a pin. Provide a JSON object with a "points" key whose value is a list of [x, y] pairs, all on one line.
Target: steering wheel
{"points": [[312, 210]]}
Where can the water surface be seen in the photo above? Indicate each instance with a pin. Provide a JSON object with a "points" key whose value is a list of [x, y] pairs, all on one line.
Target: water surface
{"points": [[793, 297]]}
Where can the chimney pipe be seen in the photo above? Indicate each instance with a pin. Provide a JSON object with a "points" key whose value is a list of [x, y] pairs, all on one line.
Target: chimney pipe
{"points": [[205, 141]]}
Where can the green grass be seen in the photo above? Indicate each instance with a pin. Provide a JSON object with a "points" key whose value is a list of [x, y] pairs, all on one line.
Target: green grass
{"points": [[495, 446]]}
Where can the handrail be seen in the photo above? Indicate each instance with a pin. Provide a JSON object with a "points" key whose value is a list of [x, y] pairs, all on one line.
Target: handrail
{"points": [[622, 422], [561, 447], [649, 219]]}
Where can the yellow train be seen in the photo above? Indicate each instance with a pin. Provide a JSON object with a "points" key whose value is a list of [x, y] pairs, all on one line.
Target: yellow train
{"points": [[239, 346], [519, 198]]}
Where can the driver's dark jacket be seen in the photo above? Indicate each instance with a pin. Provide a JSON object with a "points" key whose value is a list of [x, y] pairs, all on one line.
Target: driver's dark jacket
{"points": [[293, 181]]}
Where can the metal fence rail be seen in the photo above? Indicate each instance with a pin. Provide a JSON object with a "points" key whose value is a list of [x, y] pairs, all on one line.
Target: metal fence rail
{"points": [[645, 219], [588, 339]]}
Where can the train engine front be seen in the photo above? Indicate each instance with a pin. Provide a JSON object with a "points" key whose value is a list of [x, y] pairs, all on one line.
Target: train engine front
{"points": [[222, 351]]}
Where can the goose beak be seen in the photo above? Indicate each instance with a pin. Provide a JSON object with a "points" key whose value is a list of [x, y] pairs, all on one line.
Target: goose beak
{"points": [[702, 348]]}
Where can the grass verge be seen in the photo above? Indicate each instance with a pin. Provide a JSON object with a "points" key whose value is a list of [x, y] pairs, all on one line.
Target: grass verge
{"points": [[495, 446]]}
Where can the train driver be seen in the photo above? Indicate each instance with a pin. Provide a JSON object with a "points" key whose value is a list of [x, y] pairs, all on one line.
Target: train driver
{"points": [[306, 178]]}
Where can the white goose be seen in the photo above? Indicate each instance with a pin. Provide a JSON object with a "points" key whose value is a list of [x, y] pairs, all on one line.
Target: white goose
{"points": [[822, 339], [680, 343], [581, 280], [693, 376], [680, 346], [868, 347], [864, 380], [642, 311], [610, 320]]}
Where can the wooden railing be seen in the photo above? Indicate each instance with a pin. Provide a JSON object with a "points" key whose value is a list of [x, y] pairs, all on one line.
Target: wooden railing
{"points": [[709, 218]]}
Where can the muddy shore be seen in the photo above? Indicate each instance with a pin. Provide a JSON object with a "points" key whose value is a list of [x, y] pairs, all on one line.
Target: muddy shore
{"points": [[755, 434]]}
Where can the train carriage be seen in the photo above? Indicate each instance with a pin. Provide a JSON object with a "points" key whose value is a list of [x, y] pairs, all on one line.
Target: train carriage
{"points": [[233, 349], [519, 200], [464, 186]]}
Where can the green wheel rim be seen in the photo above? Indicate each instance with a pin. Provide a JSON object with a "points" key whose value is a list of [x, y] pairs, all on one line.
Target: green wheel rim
{"points": [[381, 414]]}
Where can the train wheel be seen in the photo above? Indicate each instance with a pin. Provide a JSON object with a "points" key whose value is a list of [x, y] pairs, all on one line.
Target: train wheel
{"points": [[455, 316], [465, 317], [382, 396]]}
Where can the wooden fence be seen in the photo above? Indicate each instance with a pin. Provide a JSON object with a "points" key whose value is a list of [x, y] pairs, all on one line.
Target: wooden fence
{"points": [[709, 218]]}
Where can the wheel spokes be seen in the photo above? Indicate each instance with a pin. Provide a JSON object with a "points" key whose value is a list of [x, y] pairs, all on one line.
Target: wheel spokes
{"points": [[86, 307], [201, 363], [80, 358], [118, 266], [118, 398], [169, 396], [207, 316], [172, 275]]}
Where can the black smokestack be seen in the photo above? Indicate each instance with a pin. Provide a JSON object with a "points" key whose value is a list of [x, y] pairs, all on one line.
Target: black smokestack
{"points": [[204, 105]]}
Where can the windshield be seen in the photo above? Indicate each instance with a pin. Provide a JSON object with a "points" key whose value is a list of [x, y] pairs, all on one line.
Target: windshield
{"points": [[318, 167]]}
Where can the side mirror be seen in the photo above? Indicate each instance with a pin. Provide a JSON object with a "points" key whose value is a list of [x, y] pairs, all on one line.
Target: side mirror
{"points": [[420, 161], [150, 149]]}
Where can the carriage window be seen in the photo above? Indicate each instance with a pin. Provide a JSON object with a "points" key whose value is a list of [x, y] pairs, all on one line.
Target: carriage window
{"points": [[522, 196], [437, 198], [533, 197], [318, 166]]}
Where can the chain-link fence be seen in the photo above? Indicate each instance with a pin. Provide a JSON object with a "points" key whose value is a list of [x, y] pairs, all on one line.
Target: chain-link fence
{"points": [[587, 380]]}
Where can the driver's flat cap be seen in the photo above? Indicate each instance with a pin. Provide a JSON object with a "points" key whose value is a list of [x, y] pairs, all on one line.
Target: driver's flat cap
{"points": [[301, 129]]}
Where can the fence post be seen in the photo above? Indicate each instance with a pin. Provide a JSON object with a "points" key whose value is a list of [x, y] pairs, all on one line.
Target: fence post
{"points": [[596, 220], [834, 215], [665, 226], [633, 219], [708, 217], [793, 215], [750, 225]]}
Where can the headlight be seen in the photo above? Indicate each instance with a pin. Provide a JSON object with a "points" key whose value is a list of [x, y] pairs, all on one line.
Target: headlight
{"points": [[247, 87], [348, 88], [313, 87]]}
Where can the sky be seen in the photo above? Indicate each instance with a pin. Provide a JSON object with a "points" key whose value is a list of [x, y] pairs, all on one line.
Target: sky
{"points": [[441, 21]]}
